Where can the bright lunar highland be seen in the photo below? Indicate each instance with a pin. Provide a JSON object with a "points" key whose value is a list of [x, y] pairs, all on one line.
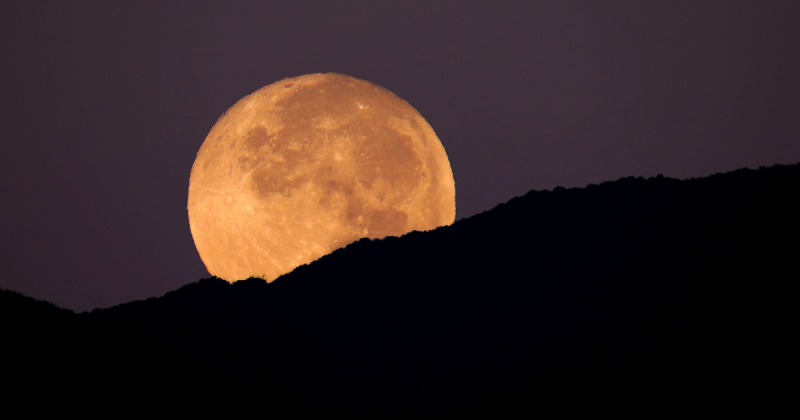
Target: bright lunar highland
{"points": [[310, 164]]}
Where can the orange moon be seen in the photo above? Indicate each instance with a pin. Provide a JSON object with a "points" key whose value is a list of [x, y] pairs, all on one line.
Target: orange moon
{"points": [[310, 164]]}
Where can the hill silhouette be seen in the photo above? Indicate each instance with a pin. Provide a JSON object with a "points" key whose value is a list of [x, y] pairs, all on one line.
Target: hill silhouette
{"points": [[656, 293]]}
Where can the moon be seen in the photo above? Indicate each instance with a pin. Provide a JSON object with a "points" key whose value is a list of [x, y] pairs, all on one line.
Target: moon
{"points": [[310, 164]]}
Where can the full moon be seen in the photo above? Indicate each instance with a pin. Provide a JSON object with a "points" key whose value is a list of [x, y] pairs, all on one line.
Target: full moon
{"points": [[310, 164]]}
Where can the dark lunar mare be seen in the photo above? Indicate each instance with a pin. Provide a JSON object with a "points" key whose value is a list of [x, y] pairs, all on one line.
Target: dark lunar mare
{"points": [[379, 151], [639, 296]]}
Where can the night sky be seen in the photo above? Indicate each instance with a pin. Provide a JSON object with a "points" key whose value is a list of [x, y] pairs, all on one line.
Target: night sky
{"points": [[105, 104]]}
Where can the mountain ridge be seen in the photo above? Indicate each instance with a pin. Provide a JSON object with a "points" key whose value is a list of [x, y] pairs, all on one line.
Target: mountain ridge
{"points": [[626, 288]]}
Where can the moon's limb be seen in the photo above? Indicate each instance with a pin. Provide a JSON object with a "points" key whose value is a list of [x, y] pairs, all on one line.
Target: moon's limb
{"points": [[307, 165]]}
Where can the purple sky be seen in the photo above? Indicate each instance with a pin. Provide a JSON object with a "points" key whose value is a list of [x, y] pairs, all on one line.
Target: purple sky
{"points": [[105, 104]]}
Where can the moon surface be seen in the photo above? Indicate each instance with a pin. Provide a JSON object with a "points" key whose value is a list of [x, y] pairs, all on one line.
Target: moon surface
{"points": [[310, 164]]}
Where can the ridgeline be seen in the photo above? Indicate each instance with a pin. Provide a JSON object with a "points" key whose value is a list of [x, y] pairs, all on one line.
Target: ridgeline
{"points": [[656, 293]]}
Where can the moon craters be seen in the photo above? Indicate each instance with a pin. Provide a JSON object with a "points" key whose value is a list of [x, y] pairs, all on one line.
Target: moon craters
{"points": [[316, 162]]}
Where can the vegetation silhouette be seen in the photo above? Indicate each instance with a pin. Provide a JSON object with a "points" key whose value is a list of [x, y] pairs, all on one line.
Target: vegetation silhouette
{"points": [[655, 293]]}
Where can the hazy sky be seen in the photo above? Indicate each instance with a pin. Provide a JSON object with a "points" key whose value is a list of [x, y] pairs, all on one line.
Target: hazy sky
{"points": [[105, 104]]}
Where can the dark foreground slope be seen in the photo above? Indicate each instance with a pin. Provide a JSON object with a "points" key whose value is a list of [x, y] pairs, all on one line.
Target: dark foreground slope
{"points": [[654, 293]]}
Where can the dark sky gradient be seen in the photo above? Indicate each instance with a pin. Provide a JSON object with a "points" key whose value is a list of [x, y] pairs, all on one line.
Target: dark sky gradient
{"points": [[105, 104]]}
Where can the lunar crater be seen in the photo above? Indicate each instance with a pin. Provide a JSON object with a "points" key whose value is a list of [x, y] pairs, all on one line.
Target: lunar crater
{"points": [[326, 159]]}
